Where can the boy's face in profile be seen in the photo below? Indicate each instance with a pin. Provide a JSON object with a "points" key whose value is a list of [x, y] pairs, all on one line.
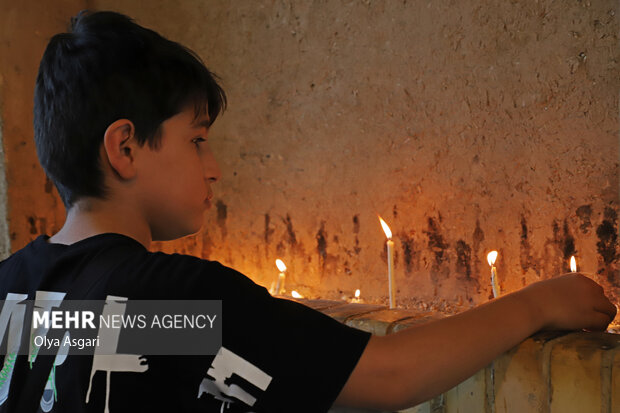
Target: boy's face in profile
{"points": [[174, 181]]}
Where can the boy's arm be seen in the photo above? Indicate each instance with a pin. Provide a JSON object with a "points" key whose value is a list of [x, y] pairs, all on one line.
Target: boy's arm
{"points": [[414, 365]]}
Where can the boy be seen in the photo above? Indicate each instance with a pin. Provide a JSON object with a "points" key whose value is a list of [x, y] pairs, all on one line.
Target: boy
{"points": [[121, 123]]}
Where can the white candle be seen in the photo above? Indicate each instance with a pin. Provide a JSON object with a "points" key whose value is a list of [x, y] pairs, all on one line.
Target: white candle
{"points": [[491, 257], [390, 253], [573, 264], [356, 299], [390, 257], [281, 277]]}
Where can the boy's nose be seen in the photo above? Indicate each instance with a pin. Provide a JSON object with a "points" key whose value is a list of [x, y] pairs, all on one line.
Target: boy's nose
{"points": [[212, 169], [216, 175]]}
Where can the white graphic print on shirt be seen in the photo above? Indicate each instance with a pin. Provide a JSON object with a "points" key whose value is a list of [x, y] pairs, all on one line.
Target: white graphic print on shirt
{"points": [[105, 358], [224, 365], [14, 312], [44, 301]]}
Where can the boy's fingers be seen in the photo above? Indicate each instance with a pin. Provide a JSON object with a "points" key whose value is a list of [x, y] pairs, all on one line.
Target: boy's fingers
{"points": [[607, 307], [600, 321]]}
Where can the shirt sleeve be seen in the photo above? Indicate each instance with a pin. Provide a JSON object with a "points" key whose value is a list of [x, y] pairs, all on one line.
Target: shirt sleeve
{"points": [[304, 356]]}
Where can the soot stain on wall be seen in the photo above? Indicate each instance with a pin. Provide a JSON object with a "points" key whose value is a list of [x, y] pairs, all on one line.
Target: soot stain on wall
{"points": [[321, 245], [280, 248], [32, 221], [584, 213], [268, 230], [49, 185], [411, 257], [222, 213], [464, 268], [38, 225], [525, 257], [553, 252], [356, 230], [607, 245], [347, 268], [291, 237], [478, 237], [463, 259], [438, 247], [558, 249]]}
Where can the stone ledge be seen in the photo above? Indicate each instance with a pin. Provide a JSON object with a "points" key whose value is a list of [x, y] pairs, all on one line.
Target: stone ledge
{"points": [[550, 372]]}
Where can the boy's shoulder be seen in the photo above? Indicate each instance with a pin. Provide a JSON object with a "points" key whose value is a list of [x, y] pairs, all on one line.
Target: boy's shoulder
{"points": [[127, 267]]}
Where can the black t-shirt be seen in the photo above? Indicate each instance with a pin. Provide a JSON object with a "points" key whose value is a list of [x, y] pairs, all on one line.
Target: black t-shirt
{"points": [[298, 358]]}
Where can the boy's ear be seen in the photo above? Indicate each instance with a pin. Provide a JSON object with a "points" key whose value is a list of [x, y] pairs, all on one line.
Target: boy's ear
{"points": [[119, 146]]}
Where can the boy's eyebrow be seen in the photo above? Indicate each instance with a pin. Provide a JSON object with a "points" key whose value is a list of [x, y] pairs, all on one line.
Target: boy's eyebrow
{"points": [[203, 123]]}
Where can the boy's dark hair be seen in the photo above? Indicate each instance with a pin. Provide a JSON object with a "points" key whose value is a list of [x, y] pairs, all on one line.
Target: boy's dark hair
{"points": [[108, 68]]}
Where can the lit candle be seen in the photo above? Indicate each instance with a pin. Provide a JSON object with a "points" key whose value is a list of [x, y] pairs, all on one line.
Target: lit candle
{"points": [[491, 257], [281, 277], [356, 299], [295, 294], [390, 254], [573, 264]]}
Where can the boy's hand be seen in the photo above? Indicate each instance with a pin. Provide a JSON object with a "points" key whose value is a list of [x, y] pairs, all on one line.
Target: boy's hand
{"points": [[569, 302]]}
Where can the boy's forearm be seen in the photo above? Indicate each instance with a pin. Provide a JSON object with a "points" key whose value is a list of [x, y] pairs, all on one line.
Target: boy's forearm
{"points": [[437, 356], [416, 364]]}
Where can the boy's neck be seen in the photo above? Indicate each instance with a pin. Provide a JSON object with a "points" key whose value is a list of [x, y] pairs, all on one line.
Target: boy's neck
{"points": [[90, 217]]}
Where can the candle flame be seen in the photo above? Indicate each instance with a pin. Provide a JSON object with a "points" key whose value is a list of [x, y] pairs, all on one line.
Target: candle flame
{"points": [[357, 293], [491, 257], [280, 265], [386, 229], [573, 264], [295, 294]]}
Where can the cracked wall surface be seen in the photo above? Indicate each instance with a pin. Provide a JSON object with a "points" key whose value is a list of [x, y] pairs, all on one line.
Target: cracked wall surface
{"points": [[467, 125]]}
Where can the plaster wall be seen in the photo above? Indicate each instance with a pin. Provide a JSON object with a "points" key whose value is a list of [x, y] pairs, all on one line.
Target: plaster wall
{"points": [[467, 125], [29, 205]]}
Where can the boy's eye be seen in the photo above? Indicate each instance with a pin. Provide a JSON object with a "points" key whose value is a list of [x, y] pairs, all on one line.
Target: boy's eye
{"points": [[198, 140]]}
